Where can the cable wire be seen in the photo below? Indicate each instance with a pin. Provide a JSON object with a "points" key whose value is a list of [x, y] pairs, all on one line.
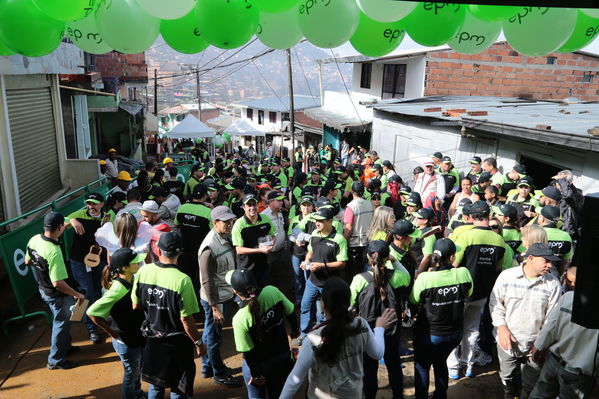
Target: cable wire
{"points": [[285, 106], [305, 77], [347, 91]]}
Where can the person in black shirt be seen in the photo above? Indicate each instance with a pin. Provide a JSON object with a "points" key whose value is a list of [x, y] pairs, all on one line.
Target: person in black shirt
{"points": [[174, 185]]}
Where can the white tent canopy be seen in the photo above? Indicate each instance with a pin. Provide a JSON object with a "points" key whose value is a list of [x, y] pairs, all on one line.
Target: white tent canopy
{"points": [[190, 128], [242, 127]]}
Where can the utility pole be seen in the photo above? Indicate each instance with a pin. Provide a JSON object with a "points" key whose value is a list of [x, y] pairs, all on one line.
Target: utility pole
{"points": [[156, 92], [320, 81], [198, 93], [291, 105]]}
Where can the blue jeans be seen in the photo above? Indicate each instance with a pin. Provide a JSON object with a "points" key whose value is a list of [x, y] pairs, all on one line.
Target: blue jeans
{"points": [[432, 350], [300, 278], [158, 393], [393, 364], [275, 380], [91, 283], [131, 359], [212, 362], [310, 308], [61, 326]]}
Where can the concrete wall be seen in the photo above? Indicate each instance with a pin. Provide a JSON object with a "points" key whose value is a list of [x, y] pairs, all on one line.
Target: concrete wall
{"points": [[81, 172], [415, 68], [67, 59]]}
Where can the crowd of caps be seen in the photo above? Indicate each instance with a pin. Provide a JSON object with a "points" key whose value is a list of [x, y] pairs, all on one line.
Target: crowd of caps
{"points": [[338, 252]]}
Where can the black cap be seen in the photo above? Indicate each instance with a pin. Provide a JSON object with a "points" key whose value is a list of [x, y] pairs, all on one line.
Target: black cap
{"points": [[242, 280], [357, 187], [306, 199], [552, 192], [424, 213], [521, 169], [465, 201], [446, 159], [438, 155], [542, 250], [275, 195], [159, 192], [300, 177], [324, 213], [238, 183], [480, 208], [200, 190], [475, 160], [551, 213], [171, 242], [118, 196], [322, 201], [375, 195], [249, 197], [213, 186], [196, 167], [444, 247], [95, 198], [387, 163], [53, 219], [395, 179], [403, 228], [378, 167], [484, 177], [405, 190], [508, 211], [379, 246], [467, 209], [525, 181], [124, 257], [414, 200]]}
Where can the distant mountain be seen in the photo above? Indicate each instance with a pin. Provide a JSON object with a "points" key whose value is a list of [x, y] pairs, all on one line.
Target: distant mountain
{"points": [[262, 77]]}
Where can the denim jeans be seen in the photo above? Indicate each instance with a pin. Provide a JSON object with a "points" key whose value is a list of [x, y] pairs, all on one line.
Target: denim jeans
{"points": [[275, 380], [131, 359], [310, 309], [91, 283], [300, 278], [61, 326], [393, 364], [158, 393], [432, 350], [212, 362]]}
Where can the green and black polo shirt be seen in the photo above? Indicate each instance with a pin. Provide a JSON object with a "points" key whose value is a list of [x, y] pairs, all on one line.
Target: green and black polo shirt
{"points": [[175, 187], [442, 294], [423, 247], [246, 234], [507, 185], [45, 257], [166, 295], [308, 224], [523, 204], [195, 223], [190, 185], [116, 303], [483, 252], [330, 248], [452, 179], [473, 177], [560, 242], [81, 243], [512, 237], [398, 279]]}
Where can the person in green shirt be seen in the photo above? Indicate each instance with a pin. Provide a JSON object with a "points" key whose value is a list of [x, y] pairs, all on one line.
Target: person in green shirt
{"points": [[452, 179], [260, 334], [125, 323], [382, 222], [423, 249], [523, 201], [197, 176], [300, 239], [508, 215], [560, 241], [299, 181], [403, 233], [44, 256]]}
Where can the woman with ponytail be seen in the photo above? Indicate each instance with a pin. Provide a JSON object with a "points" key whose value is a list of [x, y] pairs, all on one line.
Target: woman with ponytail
{"points": [[260, 334], [441, 292], [332, 354], [125, 324], [382, 287]]}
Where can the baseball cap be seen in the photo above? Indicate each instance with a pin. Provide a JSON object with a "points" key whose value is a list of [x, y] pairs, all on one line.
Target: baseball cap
{"points": [[125, 256], [465, 201], [525, 181], [212, 186], [307, 199], [374, 184], [378, 167], [322, 202], [53, 220], [159, 192], [196, 167], [424, 213], [395, 179], [170, 242], [541, 250], [429, 163], [414, 200], [357, 187], [241, 280], [324, 213], [521, 169], [444, 247], [437, 155], [167, 160], [94, 198], [249, 197], [238, 183], [446, 159], [551, 213], [387, 163], [552, 192], [467, 209], [480, 208], [118, 196], [507, 210], [475, 160], [484, 177], [200, 190], [406, 190], [376, 195], [380, 247], [275, 195], [404, 228], [222, 213], [150, 206], [124, 175], [111, 150]]}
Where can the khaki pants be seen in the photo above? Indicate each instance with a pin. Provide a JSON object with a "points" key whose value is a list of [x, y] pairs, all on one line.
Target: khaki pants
{"points": [[518, 374], [557, 379]]}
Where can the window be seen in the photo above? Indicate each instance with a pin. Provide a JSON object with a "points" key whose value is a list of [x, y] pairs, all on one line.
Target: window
{"points": [[250, 114], [366, 76], [260, 117], [551, 60], [394, 81], [587, 78], [285, 117], [272, 117]]}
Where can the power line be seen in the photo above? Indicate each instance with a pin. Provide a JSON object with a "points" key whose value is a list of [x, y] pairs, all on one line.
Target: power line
{"points": [[304, 73], [285, 106], [347, 91]]}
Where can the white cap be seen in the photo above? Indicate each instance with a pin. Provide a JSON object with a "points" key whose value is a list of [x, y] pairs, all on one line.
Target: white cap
{"points": [[150, 206]]}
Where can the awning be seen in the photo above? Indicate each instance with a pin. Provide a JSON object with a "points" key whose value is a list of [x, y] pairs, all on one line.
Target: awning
{"points": [[242, 127], [341, 111], [191, 128], [131, 108]]}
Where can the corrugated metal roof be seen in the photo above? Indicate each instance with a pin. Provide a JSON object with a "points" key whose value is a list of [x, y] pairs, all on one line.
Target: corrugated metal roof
{"points": [[281, 104], [341, 111]]}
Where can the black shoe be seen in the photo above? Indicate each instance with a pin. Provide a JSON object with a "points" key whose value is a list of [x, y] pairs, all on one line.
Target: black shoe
{"points": [[64, 365], [208, 374], [228, 381], [95, 338], [73, 349]]}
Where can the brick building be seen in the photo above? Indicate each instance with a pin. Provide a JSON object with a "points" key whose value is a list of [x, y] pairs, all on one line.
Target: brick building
{"points": [[125, 73]]}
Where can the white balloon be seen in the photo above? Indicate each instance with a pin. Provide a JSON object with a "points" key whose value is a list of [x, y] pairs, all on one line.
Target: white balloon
{"points": [[591, 12], [85, 35], [328, 23], [386, 10], [279, 31], [167, 9]]}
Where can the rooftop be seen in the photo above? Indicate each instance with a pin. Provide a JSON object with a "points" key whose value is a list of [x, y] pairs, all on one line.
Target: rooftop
{"points": [[281, 104]]}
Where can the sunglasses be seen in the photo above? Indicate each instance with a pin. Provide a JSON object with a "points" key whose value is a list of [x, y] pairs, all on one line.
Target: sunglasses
{"points": [[376, 197]]}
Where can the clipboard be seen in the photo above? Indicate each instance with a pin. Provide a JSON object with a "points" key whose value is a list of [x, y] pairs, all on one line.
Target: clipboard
{"points": [[78, 311]]}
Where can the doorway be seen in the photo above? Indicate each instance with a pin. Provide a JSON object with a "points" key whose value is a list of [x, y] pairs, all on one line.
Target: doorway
{"points": [[540, 171]]}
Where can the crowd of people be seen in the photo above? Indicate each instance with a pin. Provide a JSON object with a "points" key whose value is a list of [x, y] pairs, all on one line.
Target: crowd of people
{"points": [[334, 253]]}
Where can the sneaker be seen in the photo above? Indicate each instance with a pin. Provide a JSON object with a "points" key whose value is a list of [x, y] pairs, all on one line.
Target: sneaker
{"points": [[95, 337], [454, 374], [405, 352], [481, 358], [73, 349], [208, 374], [469, 372], [228, 381], [64, 365]]}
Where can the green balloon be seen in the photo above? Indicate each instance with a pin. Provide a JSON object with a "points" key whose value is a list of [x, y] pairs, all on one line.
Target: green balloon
{"points": [[4, 50], [171, 9], [328, 24], [585, 31], [492, 13], [125, 27], [591, 12], [274, 6], [386, 10], [85, 35], [279, 31], [26, 30], [375, 39], [183, 34], [65, 10], [433, 24], [227, 24], [475, 35], [537, 31]]}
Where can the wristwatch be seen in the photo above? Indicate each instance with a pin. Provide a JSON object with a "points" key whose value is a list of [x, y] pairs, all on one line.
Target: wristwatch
{"points": [[198, 343]]}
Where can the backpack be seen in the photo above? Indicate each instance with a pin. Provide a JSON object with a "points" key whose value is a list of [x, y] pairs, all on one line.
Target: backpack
{"points": [[369, 304]]}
